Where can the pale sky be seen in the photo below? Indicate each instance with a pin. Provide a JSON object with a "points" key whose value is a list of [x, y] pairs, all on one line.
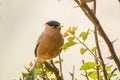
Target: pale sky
{"points": [[22, 21]]}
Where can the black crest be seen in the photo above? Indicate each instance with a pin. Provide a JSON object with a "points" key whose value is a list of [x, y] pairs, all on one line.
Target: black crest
{"points": [[53, 23]]}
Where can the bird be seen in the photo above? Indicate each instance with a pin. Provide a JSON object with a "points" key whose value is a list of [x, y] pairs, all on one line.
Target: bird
{"points": [[49, 42]]}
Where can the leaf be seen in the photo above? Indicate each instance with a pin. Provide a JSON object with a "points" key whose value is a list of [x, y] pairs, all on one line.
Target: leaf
{"points": [[74, 28], [68, 44], [53, 79], [34, 72], [108, 68], [84, 35], [65, 34], [94, 49], [93, 75], [83, 50], [70, 39], [25, 74], [49, 73], [88, 65], [72, 32], [58, 61], [112, 75], [31, 64], [75, 78]]}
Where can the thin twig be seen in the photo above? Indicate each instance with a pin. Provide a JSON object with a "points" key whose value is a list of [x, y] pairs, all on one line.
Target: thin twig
{"points": [[85, 71], [112, 73], [87, 48], [73, 73], [114, 41], [99, 53], [98, 47], [97, 67], [61, 72]]}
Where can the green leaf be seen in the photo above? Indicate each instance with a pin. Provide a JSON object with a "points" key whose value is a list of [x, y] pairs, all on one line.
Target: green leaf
{"points": [[25, 74], [93, 75], [84, 35], [75, 78], [88, 65], [34, 72], [109, 68], [83, 50], [112, 75], [72, 30], [58, 61], [68, 44], [94, 49]]}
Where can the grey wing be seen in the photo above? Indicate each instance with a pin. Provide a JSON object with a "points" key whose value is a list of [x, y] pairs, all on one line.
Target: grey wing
{"points": [[38, 42]]}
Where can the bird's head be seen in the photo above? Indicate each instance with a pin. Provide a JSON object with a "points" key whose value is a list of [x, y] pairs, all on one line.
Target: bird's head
{"points": [[53, 25]]}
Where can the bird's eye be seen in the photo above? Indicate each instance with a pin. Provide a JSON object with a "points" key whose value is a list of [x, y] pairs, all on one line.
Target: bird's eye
{"points": [[55, 27]]}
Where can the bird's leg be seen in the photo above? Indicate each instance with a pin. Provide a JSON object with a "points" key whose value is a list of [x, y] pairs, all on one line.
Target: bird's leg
{"points": [[52, 63]]}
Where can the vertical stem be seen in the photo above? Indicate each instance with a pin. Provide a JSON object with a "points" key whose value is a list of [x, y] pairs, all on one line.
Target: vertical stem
{"points": [[61, 73], [94, 11], [85, 71], [98, 47], [73, 72], [97, 67]]}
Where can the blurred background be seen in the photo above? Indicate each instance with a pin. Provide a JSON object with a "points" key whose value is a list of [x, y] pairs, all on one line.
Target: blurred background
{"points": [[22, 21]]}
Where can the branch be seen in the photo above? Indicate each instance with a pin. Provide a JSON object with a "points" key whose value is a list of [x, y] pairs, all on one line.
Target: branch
{"points": [[54, 70], [99, 53], [61, 74], [98, 47], [96, 23], [87, 48], [72, 74], [97, 67]]}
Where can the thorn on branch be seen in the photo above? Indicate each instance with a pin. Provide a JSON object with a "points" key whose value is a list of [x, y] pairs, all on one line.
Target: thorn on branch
{"points": [[76, 6], [113, 70], [110, 57], [114, 41]]}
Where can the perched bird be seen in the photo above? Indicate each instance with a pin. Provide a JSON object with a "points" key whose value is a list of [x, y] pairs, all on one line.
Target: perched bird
{"points": [[49, 42]]}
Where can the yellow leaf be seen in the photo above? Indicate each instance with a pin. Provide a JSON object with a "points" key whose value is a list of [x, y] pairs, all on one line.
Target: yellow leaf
{"points": [[31, 64], [65, 34], [70, 39], [73, 28], [53, 79], [69, 29]]}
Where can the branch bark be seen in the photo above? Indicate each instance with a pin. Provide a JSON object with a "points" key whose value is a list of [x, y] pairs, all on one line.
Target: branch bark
{"points": [[98, 47], [54, 70], [96, 23]]}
